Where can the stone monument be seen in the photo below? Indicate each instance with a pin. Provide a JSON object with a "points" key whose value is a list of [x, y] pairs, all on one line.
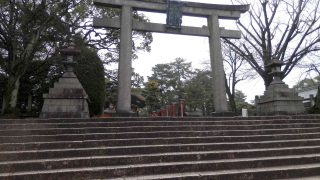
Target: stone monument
{"points": [[67, 99], [279, 99]]}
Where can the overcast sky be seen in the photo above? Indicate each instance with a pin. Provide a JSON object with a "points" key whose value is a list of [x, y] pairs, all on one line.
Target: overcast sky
{"points": [[167, 47]]}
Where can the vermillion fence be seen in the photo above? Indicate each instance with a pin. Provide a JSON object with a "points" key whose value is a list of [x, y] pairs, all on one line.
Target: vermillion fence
{"points": [[176, 109]]}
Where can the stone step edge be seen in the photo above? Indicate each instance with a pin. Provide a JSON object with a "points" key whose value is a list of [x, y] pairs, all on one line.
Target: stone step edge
{"points": [[93, 158], [153, 121], [186, 118], [222, 172], [175, 126], [304, 178], [173, 138], [234, 130], [177, 175], [157, 132], [213, 161], [153, 146]]}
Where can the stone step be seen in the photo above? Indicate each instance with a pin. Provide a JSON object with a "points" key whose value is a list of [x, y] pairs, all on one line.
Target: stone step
{"points": [[39, 125], [51, 131], [132, 150], [157, 141], [185, 119], [280, 147], [303, 178], [219, 136], [266, 173], [125, 160], [263, 168]]}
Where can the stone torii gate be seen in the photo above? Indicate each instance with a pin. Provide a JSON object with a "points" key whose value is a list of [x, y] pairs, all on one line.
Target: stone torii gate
{"points": [[174, 9]]}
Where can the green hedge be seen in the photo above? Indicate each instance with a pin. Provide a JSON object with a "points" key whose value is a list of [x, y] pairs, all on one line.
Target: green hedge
{"points": [[90, 72]]}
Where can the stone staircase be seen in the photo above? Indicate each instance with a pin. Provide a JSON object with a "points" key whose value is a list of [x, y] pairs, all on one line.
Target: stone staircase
{"points": [[281, 147]]}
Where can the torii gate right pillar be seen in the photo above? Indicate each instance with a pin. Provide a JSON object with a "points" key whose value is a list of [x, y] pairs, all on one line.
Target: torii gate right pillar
{"points": [[219, 86]]}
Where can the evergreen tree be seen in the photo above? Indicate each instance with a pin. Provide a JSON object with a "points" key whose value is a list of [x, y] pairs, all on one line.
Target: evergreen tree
{"points": [[90, 71]]}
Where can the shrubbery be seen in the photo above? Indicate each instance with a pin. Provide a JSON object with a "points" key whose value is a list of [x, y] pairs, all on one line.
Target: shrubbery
{"points": [[90, 72]]}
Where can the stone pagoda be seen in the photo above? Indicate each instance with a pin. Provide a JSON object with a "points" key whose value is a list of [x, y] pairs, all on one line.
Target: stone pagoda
{"points": [[67, 99], [279, 99]]}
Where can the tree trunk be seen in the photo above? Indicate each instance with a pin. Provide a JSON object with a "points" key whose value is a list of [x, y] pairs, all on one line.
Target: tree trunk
{"points": [[3, 105], [267, 80], [11, 95], [29, 108], [231, 98], [233, 105], [204, 111]]}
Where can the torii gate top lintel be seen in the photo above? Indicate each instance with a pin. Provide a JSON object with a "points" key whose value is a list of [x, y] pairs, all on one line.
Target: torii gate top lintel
{"points": [[189, 8]]}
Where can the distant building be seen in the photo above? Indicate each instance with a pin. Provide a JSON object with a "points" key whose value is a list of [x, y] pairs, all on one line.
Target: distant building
{"points": [[308, 94]]}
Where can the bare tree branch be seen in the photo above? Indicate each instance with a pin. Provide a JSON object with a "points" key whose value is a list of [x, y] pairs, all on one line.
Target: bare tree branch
{"points": [[284, 29]]}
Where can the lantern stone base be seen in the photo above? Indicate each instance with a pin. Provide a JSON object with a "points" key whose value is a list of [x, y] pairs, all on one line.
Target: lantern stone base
{"points": [[279, 99], [67, 99]]}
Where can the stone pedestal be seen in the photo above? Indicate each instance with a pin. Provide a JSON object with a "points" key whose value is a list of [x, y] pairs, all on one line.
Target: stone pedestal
{"points": [[279, 99], [67, 99]]}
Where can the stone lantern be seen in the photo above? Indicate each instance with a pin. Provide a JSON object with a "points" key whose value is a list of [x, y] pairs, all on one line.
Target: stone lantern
{"points": [[69, 52], [279, 99], [276, 73], [67, 99]]}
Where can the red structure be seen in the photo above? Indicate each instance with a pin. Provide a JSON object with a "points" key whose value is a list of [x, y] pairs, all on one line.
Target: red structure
{"points": [[173, 110]]}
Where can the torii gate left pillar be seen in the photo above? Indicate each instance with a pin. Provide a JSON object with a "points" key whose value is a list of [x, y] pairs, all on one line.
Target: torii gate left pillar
{"points": [[126, 23]]}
